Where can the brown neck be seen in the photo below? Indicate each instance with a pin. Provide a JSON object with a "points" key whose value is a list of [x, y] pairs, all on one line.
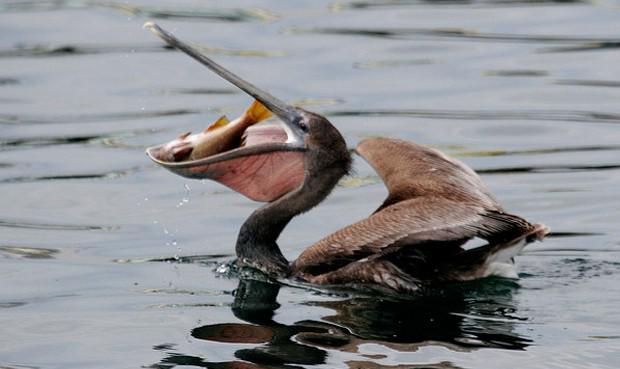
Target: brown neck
{"points": [[256, 243]]}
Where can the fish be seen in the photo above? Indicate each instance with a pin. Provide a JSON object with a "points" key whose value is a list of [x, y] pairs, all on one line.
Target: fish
{"points": [[220, 136]]}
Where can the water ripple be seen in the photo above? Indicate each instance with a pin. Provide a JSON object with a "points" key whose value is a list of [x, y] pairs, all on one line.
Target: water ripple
{"points": [[112, 140], [573, 234], [45, 50], [552, 150], [4, 81], [203, 14], [580, 269], [177, 291], [11, 304], [225, 15], [64, 177], [214, 259], [588, 83], [586, 46], [29, 252], [90, 118], [516, 73], [43, 141], [19, 366], [11, 223], [454, 33], [533, 115], [199, 91], [373, 4], [38, 5], [391, 63], [568, 168]]}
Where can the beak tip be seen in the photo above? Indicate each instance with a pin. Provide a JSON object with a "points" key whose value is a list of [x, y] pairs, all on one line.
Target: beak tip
{"points": [[149, 25], [155, 29], [276, 106]]}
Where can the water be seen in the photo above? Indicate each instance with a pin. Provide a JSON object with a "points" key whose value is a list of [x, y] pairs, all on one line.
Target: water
{"points": [[108, 261]]}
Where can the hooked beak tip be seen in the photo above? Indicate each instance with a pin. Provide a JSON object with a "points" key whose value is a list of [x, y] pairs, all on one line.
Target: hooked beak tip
{"points": [[287, 113], [153, 27]]}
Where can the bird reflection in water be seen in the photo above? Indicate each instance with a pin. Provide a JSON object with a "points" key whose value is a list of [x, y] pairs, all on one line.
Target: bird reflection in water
{"points": [[462, 317]]}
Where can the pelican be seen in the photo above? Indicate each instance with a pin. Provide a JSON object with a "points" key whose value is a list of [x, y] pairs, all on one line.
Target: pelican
{"points": [[416, 238]]}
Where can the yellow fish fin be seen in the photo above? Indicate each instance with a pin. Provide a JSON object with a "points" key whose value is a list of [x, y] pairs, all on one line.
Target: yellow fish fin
{"points": [[221, 122], [257, 112]]}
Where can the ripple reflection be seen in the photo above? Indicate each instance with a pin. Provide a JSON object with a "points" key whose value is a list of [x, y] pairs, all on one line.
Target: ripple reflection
{"points": [[455, 33], [372, 4], [28, 252], [463, 317], [495, 115], [12, 223], [205, 14]]}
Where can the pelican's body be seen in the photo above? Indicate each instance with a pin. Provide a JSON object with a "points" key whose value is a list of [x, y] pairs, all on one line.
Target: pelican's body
{"points": [[434, 206]]}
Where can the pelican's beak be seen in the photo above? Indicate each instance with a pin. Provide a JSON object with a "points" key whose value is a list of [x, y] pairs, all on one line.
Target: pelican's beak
{"points": [[287, 113], [263, 169]]}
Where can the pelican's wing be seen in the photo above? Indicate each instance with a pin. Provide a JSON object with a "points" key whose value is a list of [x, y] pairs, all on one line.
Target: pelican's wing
{"points": [[410, 170], [435, 204], [406, 225], [432, 199]]}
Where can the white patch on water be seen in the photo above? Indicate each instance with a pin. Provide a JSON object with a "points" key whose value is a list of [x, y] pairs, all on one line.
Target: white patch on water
{"points": [[504, 270], [501, 264]]}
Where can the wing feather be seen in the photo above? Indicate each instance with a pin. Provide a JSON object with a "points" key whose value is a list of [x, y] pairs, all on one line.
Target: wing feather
{"points": [[407, 223], [433, 201], [410, 170]]}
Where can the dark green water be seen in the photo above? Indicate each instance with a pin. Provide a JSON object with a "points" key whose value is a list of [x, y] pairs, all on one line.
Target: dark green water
{"points": [[526, 92]]}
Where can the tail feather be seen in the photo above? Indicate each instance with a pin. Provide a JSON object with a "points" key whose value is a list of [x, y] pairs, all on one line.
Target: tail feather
{"points": [[408, 269], [497, 259], [538, 233]]}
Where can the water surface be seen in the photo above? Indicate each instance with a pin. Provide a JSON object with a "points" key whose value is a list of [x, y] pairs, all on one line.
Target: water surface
{"points": [[107, 261]]}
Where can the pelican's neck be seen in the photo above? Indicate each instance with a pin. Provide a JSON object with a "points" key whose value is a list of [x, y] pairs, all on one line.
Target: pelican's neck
{"points": [[256, 243]]}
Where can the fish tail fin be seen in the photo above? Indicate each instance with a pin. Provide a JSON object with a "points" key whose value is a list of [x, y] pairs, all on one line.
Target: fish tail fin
{"points": [[221, 122], [257, 112]]}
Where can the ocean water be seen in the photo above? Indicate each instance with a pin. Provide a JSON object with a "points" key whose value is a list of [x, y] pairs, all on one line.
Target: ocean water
{"points": [[107, 261]]}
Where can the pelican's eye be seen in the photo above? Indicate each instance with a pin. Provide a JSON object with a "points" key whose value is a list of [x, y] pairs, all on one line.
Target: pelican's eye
{"points": [[303, 126]]}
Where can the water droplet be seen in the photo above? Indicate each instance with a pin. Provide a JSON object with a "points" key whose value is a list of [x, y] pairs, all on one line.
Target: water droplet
{"points": [[185, 198], [222, 269]]}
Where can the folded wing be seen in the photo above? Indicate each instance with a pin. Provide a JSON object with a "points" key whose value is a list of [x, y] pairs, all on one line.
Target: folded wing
{"points": [[435, 205]]}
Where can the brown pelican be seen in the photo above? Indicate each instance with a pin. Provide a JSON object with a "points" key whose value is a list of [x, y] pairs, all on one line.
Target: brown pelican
{"points": [[416, 237]]}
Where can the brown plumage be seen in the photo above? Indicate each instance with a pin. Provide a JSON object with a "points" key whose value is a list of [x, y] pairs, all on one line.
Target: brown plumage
{"points": [[416, 236], [435, 204]]}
